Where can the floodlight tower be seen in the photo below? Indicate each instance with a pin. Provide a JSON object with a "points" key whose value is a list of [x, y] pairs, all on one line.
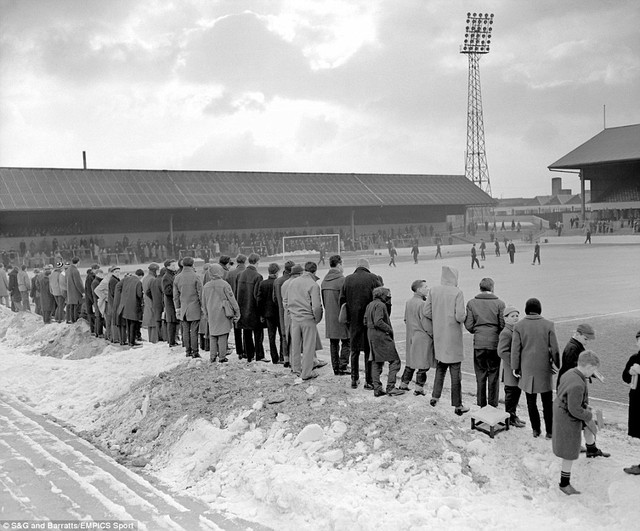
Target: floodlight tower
{"points": [[477, 40]]}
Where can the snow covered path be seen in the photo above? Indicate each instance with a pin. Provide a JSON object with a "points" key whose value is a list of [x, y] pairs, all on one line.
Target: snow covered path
{"points": [[49, 473]]}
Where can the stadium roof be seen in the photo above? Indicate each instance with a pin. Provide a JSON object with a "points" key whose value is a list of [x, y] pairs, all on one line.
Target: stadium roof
{"points": [[25, 189], [616, 144]]}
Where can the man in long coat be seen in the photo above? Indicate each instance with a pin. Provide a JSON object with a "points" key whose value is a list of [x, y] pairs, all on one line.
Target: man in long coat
{"points": [[156, 294], [89, 297], [187, 298], [382, 346], [4, 287], [534, 353], [169, 308], [97, 311], [149, 320], [113, 322], [132, 301], [232, 279], [420, 356], [75, 290], [54, 287], [215, 293], [47, 300], [335, 331], [277, 296], [268, 310], [445, 307], [247, 296], [14, 290], [357, 293]]}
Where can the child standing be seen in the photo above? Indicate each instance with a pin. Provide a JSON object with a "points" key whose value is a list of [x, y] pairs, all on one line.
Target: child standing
{"points": [[631, 375], [572, 415]]}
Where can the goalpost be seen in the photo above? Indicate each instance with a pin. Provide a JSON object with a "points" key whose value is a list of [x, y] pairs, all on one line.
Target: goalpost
{"points": [[308, 247]]}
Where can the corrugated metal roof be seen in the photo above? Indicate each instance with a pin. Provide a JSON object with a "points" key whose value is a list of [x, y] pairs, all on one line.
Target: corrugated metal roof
{"points": [[616, 144], [63, 188]]}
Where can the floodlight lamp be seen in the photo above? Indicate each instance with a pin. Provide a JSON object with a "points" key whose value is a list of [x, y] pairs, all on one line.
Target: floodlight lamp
{"points": [[468, 14], [474, 14]]}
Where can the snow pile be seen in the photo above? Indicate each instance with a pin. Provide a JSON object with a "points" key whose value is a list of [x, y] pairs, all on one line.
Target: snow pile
{"points": [[256, 442]]}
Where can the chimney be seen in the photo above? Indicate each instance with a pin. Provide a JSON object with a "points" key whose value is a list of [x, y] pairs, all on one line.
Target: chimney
{"points": [[556, 185], [84, 160]]}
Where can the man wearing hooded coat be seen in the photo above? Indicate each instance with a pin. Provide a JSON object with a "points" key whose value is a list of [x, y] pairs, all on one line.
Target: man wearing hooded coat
{"points": [[357, 293], [445, 307]]}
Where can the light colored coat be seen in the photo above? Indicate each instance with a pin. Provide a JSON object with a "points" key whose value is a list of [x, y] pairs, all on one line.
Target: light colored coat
{"points": [[419, 335], [533, 349], [187, 294], [24, 282], [4, 283], [102, 293], [214, 293], [504, 351], [445, 308], [54, 282]]}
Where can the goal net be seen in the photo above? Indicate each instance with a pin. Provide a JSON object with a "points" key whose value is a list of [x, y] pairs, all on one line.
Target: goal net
{"points": [[310, 247]]}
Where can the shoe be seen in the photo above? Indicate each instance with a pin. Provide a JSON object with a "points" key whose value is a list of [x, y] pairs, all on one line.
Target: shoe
{"points": [[354, 384], [286, 365], [396, 392], [188, 354], [171, 345], [515, 421], [379, 393], [460, 410], [433, 402], [224, 360], [536, 434], [548, 436], [213, 360], [196, 355], [264, 360], [597, 453], [311, 376], [403, 386], [368, 387], [569, 490], [419, 392], [319, 364], [633, 470]]}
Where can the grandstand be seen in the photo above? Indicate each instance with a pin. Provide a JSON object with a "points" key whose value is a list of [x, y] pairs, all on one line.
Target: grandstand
{"points": [[149, 205], [610, 161]]}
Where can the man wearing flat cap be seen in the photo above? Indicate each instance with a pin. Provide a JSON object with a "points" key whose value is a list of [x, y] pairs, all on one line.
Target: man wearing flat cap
{"points": [[578, 342]]}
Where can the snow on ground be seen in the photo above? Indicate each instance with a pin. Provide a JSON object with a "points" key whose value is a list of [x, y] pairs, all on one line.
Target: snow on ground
{"points": [[255, 442]]}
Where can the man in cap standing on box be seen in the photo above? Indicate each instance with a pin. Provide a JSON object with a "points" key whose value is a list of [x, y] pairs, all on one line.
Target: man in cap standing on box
{"points": [[357, 293], [578, 343], [511, 390]]}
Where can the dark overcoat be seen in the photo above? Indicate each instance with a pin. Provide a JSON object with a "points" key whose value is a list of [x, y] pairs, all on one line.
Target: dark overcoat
{"points": [[267, 305], [330, 288], [131, 299], [534, 351], [47, 300], [634, 398], [570, 414], [379, 332], [156, 294], [247, 297], [167, 288], [88, 292], [357, 293], [118, 307], [570, 356], [75, 287]]}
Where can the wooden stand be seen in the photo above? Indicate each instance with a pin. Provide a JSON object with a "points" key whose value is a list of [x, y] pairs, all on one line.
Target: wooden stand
{"points": [[490, 420]]}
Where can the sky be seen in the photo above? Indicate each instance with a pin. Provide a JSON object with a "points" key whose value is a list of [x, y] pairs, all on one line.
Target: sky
{"points": [[363, 86]]}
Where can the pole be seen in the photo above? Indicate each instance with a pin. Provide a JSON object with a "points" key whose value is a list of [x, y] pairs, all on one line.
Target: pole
{"points": [[84, 160], [582, 199]]}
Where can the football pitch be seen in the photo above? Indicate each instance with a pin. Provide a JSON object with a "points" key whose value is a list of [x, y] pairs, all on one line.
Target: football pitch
{"points": [[597, 284]]}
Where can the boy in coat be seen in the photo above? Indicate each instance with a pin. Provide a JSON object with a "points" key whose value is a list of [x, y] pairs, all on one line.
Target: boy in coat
{"points": [[631, 374], [511, 390], [382, 346], [572, 416], [419, 336]]}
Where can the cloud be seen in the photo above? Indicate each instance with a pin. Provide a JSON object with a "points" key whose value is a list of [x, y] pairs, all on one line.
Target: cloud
{"points": [[315, 132], [222, 152]]}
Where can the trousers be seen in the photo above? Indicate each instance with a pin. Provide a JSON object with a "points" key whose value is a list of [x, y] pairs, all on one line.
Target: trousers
{"points": [[486, 363], [456, 382]]}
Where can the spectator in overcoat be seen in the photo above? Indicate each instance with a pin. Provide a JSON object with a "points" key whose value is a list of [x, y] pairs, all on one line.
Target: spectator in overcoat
{"points": [[631, 376], [247, 296], [485, 320], [572, 416], [382, 346], [277, 294], [296, 271], [232, 279], [149, 320], [114, 321], [24, 285], [445, 307], [14, 290], [357, 293], [75, 290], [4, 287], [268, 310], [187, 298], [89, 297], [577, 344], [54, 287], [132, 302], [97, 310], [511, 390], [118, 322], [335, 331], [47, 300], [170, 315], [216, 293], [35, 290], [534, 354], [156, 294], [420, 355]]}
